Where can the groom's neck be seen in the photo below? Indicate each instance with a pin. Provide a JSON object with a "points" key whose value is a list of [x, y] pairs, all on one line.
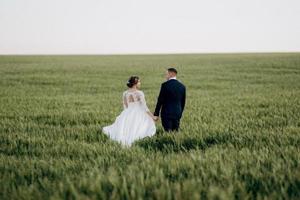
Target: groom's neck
{"points": [[174, 77]]}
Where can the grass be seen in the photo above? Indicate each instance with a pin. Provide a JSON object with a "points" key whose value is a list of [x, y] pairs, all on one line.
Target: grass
{"points": [[239, 137]]}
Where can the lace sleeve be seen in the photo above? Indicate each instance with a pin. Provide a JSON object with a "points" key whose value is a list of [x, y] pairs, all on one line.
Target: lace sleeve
{"points": [[125, 104], [143, 102]]}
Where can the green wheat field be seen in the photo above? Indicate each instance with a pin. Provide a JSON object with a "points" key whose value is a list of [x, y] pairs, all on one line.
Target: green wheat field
{"points": [[239, 137]]}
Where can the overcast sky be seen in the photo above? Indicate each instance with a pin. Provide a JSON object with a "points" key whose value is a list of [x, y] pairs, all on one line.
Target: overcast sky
{"points": [[148, 26]]}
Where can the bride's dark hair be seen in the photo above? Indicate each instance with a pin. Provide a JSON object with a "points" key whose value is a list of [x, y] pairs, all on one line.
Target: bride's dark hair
{"points": [[132, 81]]}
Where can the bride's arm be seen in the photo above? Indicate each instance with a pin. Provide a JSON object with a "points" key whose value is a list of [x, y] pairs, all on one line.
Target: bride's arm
{"points": [[151, 115], [125, 105], [144, 104]]}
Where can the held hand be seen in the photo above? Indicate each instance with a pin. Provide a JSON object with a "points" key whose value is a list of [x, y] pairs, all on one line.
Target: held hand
{"points": [[155, 118]]}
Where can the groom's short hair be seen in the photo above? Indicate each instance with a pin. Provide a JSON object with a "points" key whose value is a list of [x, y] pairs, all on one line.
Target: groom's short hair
{"points": [[172, 70]]}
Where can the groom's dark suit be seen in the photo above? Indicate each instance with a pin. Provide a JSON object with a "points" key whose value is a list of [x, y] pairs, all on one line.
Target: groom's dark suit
{"points": [[171, 101]]}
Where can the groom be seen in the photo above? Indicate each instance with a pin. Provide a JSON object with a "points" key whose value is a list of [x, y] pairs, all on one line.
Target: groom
{"points": [[171, 101]]}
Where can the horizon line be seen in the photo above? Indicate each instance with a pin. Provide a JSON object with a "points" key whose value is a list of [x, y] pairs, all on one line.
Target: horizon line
{"points": [[150, 53]]}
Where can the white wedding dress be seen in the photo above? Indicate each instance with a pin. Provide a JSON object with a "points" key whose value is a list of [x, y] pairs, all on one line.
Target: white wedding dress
{"points": [[133, 123]]}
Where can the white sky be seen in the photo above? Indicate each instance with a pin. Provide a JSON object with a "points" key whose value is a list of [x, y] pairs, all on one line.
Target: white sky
{"points": [[152, 26]]}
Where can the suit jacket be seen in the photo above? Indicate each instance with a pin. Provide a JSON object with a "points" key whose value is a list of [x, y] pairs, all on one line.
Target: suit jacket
{"points": [[171, 100]]}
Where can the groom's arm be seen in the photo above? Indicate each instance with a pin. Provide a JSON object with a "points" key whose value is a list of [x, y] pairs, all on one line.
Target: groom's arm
{"points": [[160, 101], [183, 100]]}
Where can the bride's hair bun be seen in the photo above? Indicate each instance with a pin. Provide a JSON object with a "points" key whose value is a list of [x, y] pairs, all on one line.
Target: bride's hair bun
{"points": [[132, 81]]}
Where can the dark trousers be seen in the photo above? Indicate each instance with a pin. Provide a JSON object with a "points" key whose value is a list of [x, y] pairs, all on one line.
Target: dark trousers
{"points": [[170, 124]]}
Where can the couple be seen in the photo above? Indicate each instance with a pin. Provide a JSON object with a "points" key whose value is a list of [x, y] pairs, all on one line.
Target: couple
{"points": [[136, 121]]}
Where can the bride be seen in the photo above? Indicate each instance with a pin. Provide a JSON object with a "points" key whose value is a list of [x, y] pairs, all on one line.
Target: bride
{"points": [[135, 121]]}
